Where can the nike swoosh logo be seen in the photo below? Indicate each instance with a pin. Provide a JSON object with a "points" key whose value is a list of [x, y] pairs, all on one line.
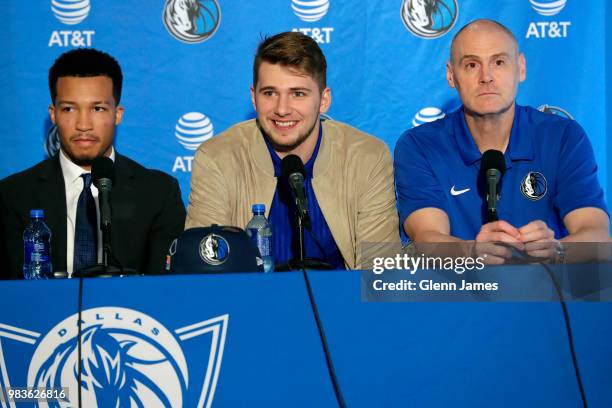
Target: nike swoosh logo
{"points": [[458, 192]]}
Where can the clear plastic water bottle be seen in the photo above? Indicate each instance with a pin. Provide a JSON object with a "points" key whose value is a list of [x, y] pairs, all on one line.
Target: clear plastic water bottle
{"points": [[260, 231], [37, 248]]}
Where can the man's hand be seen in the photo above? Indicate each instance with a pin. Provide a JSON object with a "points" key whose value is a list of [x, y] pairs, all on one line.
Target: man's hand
{"points": [[539, 240], [495, 241]]}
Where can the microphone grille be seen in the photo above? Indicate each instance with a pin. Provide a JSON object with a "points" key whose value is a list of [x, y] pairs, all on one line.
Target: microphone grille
{"points": [[292, 164], [493, 159], [102, 168]]}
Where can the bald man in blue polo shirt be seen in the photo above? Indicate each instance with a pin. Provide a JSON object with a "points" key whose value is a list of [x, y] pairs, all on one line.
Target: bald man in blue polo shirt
{"points": [[549, 192]]}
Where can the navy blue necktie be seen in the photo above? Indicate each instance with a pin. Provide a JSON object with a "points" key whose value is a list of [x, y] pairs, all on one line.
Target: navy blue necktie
{"points": [[85, 228]]}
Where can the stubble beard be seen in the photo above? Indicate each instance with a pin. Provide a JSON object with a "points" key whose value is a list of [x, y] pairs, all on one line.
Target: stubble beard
{"points": [[302, 137], [488, 115]]}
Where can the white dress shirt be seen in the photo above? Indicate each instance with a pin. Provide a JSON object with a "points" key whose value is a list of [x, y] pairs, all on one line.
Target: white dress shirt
{"points": [[74, 186]]}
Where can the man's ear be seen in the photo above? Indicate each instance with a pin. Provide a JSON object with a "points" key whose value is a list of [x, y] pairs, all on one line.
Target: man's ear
{"points": [[325, 100], [450, 77], [522, 67], [52, 113], [253, 98], [118, 114]]}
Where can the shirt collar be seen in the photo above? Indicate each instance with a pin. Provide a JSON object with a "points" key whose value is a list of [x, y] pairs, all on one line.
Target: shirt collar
{"points": [[308, 166], [520, 146], [521, 136], [72, 171]]}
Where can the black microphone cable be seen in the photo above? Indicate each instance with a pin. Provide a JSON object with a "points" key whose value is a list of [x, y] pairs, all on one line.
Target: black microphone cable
{"points": [[328, 359], [567, 322], [568, 329], [79, 334]]}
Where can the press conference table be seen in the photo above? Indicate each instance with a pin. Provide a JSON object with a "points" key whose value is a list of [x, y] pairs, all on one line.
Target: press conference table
{"points": [[251, 340]]}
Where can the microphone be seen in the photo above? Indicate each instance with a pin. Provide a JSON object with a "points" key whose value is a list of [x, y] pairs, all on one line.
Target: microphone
{"points": [[292, 170], [103, 175], [493, 166]]}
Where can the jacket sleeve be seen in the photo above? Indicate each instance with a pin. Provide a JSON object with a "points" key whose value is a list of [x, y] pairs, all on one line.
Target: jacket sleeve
{"points": [[209, 199], [377, 221], [166, 226], [11, 244]]}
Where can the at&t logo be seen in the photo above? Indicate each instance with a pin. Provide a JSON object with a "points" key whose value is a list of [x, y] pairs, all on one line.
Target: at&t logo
{"points": [[127, 359], [426, 115], [192, 21], [311, 11], [547, 7], [191, 130], [548, 29], [71, 12], [429, 18]]}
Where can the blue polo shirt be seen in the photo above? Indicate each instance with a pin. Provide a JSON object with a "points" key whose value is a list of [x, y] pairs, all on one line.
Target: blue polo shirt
{"points": [[550, 171], [318, 241]]}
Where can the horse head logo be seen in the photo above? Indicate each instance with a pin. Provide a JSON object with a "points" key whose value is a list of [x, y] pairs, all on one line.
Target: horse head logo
{"points": [[192, 21], [429, 18], [534, 186], [214, 249], [121, 364]]}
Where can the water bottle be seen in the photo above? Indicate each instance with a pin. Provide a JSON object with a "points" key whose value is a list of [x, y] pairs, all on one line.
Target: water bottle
{"points": [[37, 248], [260, 231]]}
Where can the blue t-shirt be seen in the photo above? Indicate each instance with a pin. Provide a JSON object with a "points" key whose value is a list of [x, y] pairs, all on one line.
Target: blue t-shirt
{"points": [[550, 171], [318, 241]]}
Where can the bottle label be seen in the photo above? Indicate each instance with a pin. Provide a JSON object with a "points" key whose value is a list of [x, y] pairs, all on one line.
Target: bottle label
{"points": [[263, 243], [35, 252]]}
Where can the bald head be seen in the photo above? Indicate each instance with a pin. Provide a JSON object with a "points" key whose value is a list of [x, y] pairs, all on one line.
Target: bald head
{"points": [[485, 68], [480, 27]]}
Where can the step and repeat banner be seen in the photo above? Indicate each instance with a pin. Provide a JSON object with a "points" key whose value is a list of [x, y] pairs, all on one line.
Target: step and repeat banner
{"points": [[188, 65]]}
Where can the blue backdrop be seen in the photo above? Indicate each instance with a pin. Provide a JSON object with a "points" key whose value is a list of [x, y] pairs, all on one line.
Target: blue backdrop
{"points": [[187, 80]]}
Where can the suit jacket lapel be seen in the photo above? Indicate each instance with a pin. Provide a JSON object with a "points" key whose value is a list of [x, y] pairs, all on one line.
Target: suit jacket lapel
{"points": [[50, 189]]}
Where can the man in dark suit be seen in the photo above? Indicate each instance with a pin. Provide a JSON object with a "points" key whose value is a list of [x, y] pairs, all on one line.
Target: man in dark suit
{"points": [[147, 210]]}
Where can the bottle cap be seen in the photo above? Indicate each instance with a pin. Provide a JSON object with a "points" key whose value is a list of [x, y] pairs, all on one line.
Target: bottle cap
{"points": [[37, 213], [259, 208]]}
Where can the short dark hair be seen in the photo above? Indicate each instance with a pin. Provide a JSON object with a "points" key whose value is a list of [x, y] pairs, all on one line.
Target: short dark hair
{"points": [[486, 21], [86, 62], [292, 49]]}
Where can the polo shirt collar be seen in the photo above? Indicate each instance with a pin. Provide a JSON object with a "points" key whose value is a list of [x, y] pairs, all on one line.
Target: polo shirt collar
{"points": [[520, 146], [521, 137]]}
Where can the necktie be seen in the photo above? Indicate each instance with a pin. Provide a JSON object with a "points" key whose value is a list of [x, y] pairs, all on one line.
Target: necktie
{"points": [[85, 229]]}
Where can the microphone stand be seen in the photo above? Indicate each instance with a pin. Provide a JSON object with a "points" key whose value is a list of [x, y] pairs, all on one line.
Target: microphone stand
{"points": [[110, 266], [303, 263], [493, 176]]}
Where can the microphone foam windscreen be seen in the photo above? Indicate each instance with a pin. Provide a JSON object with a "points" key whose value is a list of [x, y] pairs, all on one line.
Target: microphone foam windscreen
{"points": [[102, 167], [493, 159], [292, 164]]}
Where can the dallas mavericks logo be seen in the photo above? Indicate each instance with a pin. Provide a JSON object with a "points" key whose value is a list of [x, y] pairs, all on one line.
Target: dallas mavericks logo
{"points": [[426, 115], [429, 18], [128, 359], [52, 142], [555, 110], [547, 7], [310, 10], [214, 249], [70, 11], [192, 129], [534, 186], [192, 21]]}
